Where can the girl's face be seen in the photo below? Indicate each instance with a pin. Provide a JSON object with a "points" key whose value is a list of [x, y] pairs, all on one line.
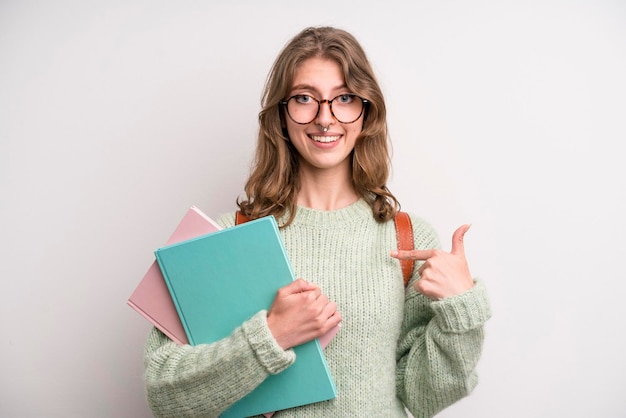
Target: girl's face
{"points": [[322, 79]]}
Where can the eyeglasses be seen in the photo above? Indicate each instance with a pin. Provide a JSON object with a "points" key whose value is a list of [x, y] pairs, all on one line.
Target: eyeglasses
{"points": [[303, 109]]}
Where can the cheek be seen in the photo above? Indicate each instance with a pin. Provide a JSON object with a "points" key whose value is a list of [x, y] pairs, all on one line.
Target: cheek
{"points": [[292, 131], [354, 130]]}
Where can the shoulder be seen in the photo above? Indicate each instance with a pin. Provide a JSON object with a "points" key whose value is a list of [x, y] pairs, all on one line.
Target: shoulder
{"points": [[424, 234]]}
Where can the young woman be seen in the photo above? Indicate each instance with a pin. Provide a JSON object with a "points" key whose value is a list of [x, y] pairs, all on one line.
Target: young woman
{"points": [[321, 168]]}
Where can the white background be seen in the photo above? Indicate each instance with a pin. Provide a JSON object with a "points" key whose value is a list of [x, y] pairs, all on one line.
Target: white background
{"points": [[116, 116]]}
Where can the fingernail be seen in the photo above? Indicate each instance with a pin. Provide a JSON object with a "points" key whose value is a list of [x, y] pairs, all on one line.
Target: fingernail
{"points": [[393, 253]]}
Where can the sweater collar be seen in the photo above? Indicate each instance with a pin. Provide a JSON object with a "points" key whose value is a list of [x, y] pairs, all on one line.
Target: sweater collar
{"points": [[329, 219]]}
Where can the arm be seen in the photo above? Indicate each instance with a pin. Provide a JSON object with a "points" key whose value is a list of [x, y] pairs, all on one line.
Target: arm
{"points": [[204, 380], [442, 331], [439, 349]]}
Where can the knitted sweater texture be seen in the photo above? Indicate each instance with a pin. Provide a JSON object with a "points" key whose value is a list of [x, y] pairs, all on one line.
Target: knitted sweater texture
{"points": [[396, 348]]}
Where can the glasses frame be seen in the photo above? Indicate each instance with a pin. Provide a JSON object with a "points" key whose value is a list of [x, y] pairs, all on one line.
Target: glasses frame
{"points": [[285, 102]]}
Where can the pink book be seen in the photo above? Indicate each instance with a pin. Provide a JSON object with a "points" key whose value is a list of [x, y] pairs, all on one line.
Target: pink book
{"points": [[152, 298]]}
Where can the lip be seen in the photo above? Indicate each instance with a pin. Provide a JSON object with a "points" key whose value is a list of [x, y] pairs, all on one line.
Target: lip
{"points": [[325, 139]]}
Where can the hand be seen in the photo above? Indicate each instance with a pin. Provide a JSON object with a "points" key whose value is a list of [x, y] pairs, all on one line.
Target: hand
{"points": [[443, 274], [301, 313]]}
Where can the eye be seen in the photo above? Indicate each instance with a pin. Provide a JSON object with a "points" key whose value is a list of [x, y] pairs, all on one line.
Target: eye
{"points": [[303, 99], [345, 98]]}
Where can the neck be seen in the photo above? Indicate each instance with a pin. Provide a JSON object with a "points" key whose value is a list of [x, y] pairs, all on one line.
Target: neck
{"points": [[326, 190]]}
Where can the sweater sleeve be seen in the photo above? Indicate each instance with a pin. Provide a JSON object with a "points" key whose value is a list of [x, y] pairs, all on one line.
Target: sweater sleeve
{"points": [[440, 342], [204, 380]]}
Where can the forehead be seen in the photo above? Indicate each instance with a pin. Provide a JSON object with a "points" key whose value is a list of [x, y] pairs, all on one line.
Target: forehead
{"points": [[319, 74]]}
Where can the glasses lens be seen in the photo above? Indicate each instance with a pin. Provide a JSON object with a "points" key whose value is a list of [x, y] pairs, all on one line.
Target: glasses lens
{"points": [[346, 108], [302, 109]]}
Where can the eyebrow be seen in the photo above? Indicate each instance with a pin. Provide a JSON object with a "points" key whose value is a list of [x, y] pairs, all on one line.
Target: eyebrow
{"points": [[310, 87]]}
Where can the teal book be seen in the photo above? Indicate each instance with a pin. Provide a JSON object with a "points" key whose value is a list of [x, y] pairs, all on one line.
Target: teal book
{"points": [[219, 280]]}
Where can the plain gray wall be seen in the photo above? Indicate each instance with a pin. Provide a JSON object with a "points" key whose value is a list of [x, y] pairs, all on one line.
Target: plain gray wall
{"points": [[116, 116]]}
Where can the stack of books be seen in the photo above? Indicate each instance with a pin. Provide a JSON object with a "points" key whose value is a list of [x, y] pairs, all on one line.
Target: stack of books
{"points": [[206, 281]]}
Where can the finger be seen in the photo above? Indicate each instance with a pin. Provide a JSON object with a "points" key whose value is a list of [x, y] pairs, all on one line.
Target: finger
{"points": [[329, 310], [457, 239], [419, 255], [317, 299], [300, 285], [421, 269]]}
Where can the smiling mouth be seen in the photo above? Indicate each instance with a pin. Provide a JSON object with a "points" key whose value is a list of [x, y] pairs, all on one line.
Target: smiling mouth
{"points": [[325, 139]]}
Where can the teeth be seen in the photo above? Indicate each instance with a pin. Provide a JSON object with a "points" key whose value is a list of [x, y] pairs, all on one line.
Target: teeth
{"points": [[325, 138]]}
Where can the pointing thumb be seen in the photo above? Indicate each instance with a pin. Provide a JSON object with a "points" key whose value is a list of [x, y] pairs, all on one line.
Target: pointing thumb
{"points": [[457, 239]]}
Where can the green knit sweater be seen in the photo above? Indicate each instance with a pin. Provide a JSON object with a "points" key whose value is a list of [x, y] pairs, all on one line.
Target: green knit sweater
{"points": [[396, 348]]}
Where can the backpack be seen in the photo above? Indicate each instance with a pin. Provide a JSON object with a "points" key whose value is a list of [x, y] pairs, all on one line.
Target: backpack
{"points": [[404, 235]]}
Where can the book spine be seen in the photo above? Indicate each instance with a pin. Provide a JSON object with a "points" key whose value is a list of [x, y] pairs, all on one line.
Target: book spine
{"points": [[174, 299]]}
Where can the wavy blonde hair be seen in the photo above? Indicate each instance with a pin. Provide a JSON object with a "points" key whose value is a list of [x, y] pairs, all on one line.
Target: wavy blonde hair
{"points": [[274, 181]]}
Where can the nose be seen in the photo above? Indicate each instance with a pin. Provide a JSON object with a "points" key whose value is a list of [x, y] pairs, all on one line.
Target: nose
{"points": [[325, 114]]}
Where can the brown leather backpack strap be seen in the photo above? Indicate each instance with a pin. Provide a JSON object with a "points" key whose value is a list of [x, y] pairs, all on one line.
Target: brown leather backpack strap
{"points": [[404, 234], [240, 218]]}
